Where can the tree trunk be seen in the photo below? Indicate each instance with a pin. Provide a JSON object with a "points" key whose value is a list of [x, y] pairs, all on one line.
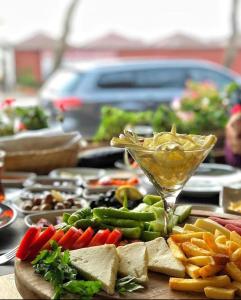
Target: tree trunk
{"points": [[62, 43], [232, 47]]}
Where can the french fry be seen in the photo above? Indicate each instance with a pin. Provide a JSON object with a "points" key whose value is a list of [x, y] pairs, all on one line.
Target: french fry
{"points": [[198, 285], [192, 270], [217, 233], [236, 255], [201, 260], [221, 239], [235, 237], [192, 250], [233, 271], [184, 237], [237, 285], [210, 242], [220, 259], [211, 226], [190, 227], [200, 243], [232, 246], [176, 250], [219, 293], [210, 270]]}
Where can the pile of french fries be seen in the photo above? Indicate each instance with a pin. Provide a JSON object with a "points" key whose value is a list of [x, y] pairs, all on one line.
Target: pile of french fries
{"points": [[211, 255]]}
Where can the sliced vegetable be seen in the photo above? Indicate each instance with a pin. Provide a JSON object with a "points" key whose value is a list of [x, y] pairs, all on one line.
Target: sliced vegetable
{"points": [[100, 238], [56, 237], [63, 242], [122, 222], [131, 215], [152, 199], [149, 235], [84, 239], [40, 242], [70, 243], [183, 212], [85, 223], [114, 237], [232, 227], [27, 240]]}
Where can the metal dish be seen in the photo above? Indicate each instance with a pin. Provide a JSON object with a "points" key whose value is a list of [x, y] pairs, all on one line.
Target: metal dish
{"points": [[32, 219], [210, 178], [228, 195], [77, 173], [7, 215], [47, 182], [16, 179], [25, 195]]}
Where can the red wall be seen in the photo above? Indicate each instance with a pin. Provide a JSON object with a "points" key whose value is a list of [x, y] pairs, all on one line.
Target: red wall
{"points": [[213, 55], [28, 61]]}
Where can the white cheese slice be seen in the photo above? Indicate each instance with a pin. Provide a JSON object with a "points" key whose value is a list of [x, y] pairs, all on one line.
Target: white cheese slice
{"points": [[160, 259], [133, 261], [97, 263]]}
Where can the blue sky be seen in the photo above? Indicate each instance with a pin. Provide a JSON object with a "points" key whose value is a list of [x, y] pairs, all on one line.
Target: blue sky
{"points": [[145, 19]]}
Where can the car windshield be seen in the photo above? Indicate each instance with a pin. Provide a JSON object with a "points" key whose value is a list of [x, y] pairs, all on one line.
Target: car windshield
{"points": [[64, 81]]}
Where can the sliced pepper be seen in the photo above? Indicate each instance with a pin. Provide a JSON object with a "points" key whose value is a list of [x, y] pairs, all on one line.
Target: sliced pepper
{"points": [[27, 240]]}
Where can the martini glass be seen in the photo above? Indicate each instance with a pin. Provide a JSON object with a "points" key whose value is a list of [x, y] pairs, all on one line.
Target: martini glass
{"points": [[168, 170]]}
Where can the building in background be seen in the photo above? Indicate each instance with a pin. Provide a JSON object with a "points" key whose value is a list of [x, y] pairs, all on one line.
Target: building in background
{"points": [[34, 56]]}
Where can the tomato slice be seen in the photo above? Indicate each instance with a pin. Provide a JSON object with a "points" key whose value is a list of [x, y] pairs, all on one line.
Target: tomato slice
{"points": [[84, 239], [40, 242], [70, 244], [133, 181], [56, 237], [100, 238], [27, 241], [63, 242], [114, 237]]}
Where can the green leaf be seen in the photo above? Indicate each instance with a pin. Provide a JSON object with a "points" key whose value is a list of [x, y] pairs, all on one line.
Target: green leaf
{"points": [[127, 285]]}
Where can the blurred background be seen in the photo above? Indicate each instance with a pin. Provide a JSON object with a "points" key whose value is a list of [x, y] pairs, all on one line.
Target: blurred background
{"points": [[90, 65]]}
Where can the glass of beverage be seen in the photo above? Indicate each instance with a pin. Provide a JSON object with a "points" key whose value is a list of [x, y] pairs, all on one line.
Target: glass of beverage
{"points": [[2, 157]]}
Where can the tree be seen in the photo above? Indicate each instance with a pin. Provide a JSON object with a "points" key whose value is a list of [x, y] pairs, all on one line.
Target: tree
{"points": [[232, 47], [62, 43]]}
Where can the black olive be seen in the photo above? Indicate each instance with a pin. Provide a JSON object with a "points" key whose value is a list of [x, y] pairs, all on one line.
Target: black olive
{"points": [[110, 193]]}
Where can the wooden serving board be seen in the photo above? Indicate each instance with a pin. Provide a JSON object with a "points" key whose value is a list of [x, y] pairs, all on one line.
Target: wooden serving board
{"points": [[32, 286]]}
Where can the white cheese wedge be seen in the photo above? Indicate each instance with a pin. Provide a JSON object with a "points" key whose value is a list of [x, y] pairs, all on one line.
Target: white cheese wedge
{"points": [[133, 261], [97, 263], [160, 259]]}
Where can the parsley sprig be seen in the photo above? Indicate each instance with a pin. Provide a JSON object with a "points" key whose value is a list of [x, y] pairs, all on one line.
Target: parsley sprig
{"points": [[55, 267]]}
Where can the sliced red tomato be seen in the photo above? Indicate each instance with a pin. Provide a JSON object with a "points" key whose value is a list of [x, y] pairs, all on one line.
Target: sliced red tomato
{"points": [[43, 238], [27, 240], [56, 237], [100, 238], [114, 237], [70, 244], [84, 239], [63, 242]]}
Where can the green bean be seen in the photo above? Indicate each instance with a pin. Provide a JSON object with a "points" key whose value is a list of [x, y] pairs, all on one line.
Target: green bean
{"points": [[151, 199], [66, 217], [85, 223], [122, 222], [149, 235], [131, 215]]}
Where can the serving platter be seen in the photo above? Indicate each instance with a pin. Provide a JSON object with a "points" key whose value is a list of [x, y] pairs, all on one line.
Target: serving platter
{"points": [[32, 286]]}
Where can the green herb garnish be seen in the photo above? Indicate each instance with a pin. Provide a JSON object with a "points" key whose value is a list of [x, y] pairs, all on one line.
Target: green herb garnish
{"points": [[127, 285], [55, 267]]}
